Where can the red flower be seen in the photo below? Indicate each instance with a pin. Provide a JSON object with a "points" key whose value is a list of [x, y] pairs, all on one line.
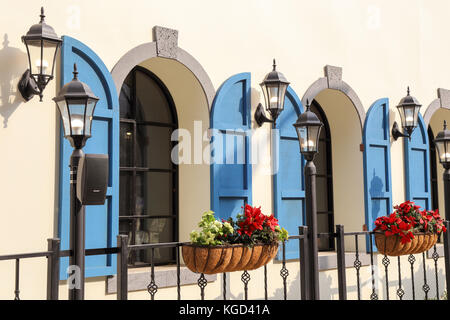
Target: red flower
{"points": [[271, 222], [254, 220]]}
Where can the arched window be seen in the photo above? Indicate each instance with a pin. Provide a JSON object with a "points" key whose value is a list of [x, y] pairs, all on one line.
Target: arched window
{"points": [[324, 181], [148, 207]]}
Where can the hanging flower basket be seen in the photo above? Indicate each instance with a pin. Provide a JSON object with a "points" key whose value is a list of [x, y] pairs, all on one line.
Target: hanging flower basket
{"points": [[392, 245], [407, 230], [248, 243], [227, 258]]}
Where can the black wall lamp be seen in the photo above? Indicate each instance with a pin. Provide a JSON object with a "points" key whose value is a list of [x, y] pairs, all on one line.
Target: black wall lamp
{"points": [[408, 108], [274, 88], [42, 45]]}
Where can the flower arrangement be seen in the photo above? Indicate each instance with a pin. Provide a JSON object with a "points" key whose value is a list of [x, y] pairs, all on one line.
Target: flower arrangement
{"points": [[407, 219], [250, 228], [246, 243]]}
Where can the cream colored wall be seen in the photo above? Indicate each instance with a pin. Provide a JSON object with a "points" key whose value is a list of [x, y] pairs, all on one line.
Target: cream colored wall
{"points": [[383, 46]]}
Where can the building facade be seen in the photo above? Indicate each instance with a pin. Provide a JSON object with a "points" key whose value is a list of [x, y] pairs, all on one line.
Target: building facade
{"points": [[174, 76]]}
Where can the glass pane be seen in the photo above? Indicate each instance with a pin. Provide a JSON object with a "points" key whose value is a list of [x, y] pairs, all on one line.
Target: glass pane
{"points": [[323, 227], [154, 193], [322, 194], [89, 115], [62, 106], [48, 57], [154, 147], [409, 116], [126, 204], [152, 104], [48, 53], [281, 94], [273, 96], [153, 231], [125, 227], [320, 160], [126, 145], [34, 48], [126, 98], [76, 112], [303, 137]]}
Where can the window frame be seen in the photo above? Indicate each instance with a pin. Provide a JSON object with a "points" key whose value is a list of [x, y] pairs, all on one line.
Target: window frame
{"points": [[136, 168], [315, 106]]}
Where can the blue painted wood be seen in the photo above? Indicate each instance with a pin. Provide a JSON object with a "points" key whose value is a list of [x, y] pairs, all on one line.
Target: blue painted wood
{"points": [[417, 166], [288, 178], [102, 222], [377, 163], [231, 169]]}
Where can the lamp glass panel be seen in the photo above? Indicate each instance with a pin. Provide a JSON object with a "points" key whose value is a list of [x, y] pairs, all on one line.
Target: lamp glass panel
{"points": [[313, 138], [265, 91], [77, 119], [308, 138], [443, 148], [281, 95], [89, 116], [62, 106], [409, 114], [34, 51], [41, 64], [273, 95], [302, 133], [402, 115], [416, 115], [446, 157], [48, 57]]}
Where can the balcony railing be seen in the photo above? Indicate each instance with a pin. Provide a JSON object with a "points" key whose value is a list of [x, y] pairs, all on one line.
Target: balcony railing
{"points": [[422, 274]]}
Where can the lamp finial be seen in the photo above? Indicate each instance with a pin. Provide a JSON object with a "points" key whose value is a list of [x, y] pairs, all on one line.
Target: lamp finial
{"points": [[407, 91], [274, 64], [42, 15], [445, 125], [75, 72], [307, 105]]}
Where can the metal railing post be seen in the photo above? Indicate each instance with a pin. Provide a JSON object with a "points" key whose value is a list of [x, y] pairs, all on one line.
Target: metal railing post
{"points": [[53, 269], [447, 255], [340, 246], [303, 256], [122, 267]]}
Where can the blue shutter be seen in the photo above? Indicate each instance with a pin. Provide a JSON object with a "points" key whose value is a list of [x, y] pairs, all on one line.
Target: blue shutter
{"points": [[231, 172], [288, 179], [417, 166], [377, 162], [101, 221]]}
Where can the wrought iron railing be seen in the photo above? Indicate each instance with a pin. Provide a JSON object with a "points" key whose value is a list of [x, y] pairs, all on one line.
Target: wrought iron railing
{"points": [[416, 281]]}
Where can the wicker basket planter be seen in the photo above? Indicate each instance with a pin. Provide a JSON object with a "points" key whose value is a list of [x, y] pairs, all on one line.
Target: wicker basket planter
{"points": [[227, 258], [392, 245]]}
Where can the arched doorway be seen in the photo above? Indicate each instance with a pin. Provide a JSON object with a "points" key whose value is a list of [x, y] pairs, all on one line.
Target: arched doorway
{"points": [[148, 201], [324, 181]]}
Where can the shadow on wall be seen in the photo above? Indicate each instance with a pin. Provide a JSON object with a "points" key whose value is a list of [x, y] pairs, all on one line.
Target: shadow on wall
{"points": [[376, 190], [14, 62]]}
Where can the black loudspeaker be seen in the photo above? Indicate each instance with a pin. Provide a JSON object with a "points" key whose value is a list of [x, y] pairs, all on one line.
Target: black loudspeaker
{"points": [[92, 179]]}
